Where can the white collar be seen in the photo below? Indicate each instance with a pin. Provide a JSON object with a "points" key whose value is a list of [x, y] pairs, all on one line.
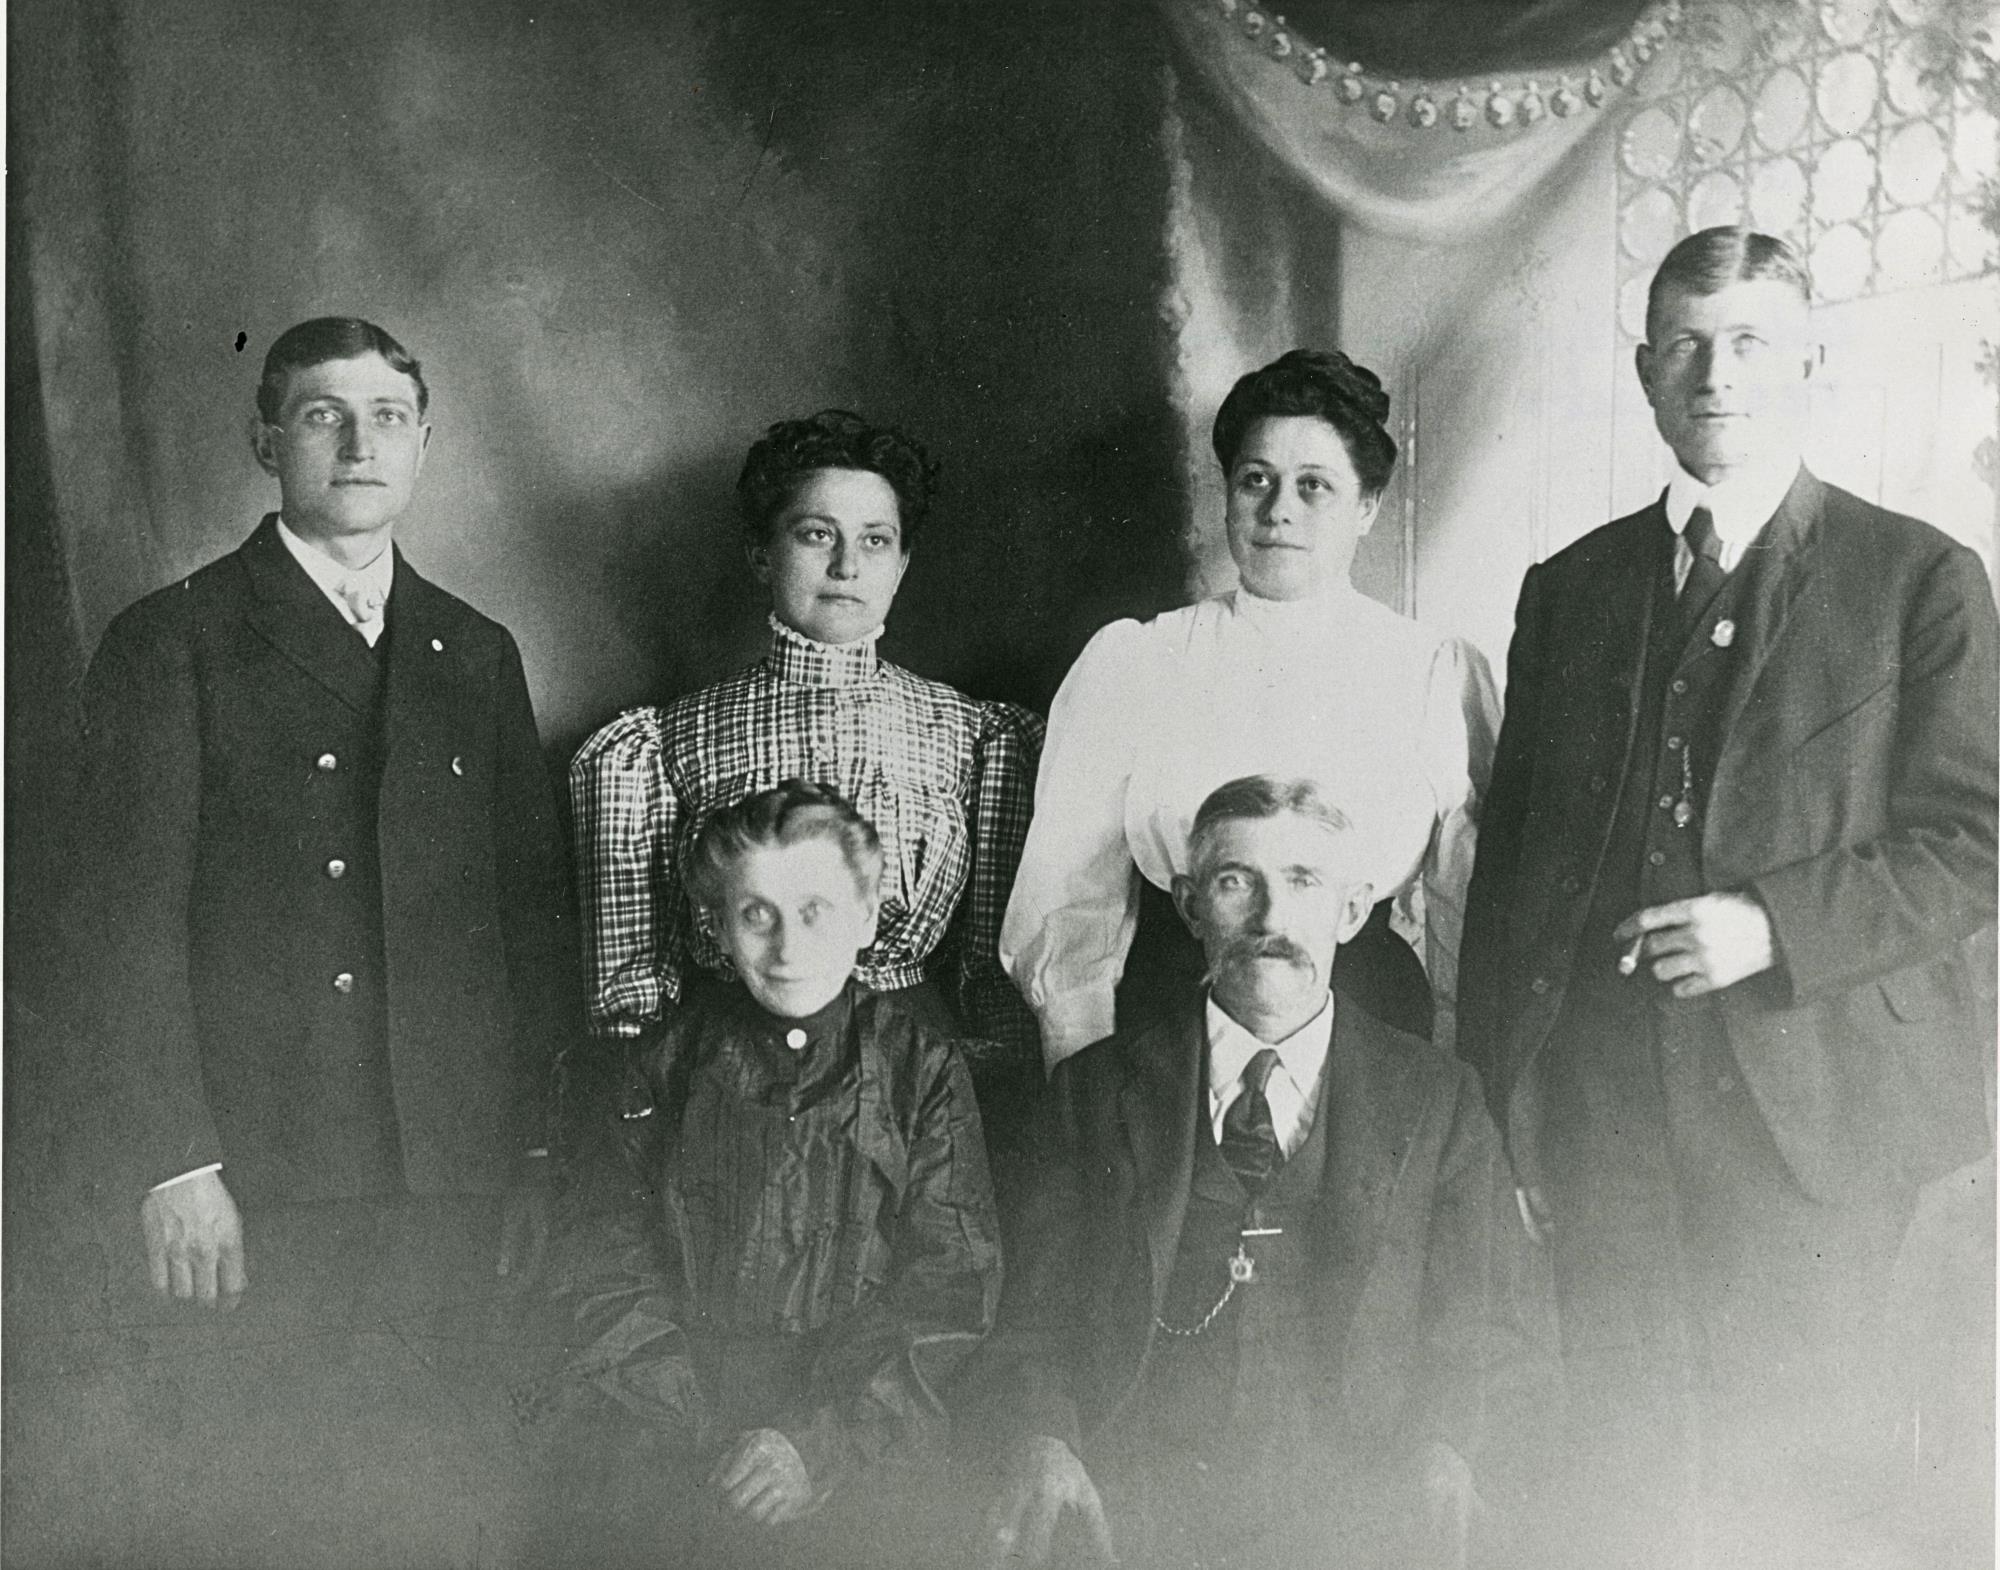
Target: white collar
{"points": [[1740, 505], [1301, 1055], [1313, 610], [330, 575]]}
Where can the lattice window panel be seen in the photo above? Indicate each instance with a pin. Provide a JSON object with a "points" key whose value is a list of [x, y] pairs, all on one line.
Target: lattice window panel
{"points": [[1837, 125]]}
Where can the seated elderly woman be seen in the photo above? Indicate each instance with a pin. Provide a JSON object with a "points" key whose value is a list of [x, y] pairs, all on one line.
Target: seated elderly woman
{"points": [[785, 1247], [1293, 673], [831, 506]]}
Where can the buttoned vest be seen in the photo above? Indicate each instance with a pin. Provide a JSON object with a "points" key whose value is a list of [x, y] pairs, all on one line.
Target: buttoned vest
{"points": [[1196, 1386], [1654, 851]]}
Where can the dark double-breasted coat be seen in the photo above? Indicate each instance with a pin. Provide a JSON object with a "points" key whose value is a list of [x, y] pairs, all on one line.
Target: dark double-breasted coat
{"points": [[1853, 795], [320, 914]]}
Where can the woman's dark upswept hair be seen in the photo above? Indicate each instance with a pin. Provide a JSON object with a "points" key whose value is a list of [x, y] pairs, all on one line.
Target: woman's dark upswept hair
{"points": [[833, 439], [1323, 384]]}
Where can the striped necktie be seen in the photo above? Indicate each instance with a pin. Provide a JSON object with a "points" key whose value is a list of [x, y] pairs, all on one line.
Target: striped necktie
{"points": [[1249, 1143], [1705, 571]]}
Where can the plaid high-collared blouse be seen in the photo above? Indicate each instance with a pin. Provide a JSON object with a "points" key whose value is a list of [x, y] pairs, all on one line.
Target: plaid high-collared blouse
{"points": [[947, 780]]}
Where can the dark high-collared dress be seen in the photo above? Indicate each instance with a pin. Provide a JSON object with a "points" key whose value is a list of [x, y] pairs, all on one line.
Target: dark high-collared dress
{"points": [[798, 1234]]}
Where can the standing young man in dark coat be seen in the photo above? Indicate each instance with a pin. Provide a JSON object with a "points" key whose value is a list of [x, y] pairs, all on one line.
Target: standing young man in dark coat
{"points": [[1738, 850], [321, 909]]}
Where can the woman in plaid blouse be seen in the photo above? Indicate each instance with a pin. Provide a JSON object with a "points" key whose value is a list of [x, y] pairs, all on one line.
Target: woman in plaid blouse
{"points": [[832, 506]]}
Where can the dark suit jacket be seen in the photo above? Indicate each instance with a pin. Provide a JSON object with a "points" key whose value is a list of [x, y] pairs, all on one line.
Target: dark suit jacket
{"points": [[233, 749], [1437, 1314], [1854, 796]]}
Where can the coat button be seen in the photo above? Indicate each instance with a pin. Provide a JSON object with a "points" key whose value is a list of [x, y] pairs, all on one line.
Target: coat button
{"points": [[344, 982], [437, 645], [1666, 803], [336, 868], [1597, 784], [458, 766], [1656, 858], [1680, 684], [1539, 986], [1673, 744], [327, 763]]}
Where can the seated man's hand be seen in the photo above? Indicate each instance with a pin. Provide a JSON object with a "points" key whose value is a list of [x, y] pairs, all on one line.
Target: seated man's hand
{"points": [[1044, 1479], [194, 1241], [763, 1478]]}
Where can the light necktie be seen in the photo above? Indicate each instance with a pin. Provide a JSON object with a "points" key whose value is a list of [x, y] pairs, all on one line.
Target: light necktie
{"points": [[1249, 1143], [1705, 570], [365, 606]]}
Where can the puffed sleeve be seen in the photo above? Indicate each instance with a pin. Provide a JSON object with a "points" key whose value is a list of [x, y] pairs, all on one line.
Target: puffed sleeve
{"points": [[1461, 721], [1002, 801], [624, 810], [1076, 898]]}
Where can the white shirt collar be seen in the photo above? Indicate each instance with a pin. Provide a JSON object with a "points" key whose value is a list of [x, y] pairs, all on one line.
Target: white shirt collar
{"points": [[1293, 1091], [330, 574], [1740, 505]]}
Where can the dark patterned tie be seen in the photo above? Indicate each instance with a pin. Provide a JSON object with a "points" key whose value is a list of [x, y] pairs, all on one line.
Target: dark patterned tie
{"points": [[1249, 1144], [1705, 572]]}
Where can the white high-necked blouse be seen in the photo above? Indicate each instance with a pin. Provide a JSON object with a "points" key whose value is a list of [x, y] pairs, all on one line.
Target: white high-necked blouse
{"points": [[1396, 722]]}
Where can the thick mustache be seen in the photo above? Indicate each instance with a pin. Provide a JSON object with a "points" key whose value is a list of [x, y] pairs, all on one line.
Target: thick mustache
{"points": [[1265, 945]]}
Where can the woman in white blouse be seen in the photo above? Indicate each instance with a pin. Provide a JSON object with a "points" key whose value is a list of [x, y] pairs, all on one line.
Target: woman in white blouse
{"points": [[1293, 673]]}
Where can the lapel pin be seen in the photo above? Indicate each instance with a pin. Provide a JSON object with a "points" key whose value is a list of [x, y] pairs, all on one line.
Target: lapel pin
{"points": [[1724, 634], [437, 644]]}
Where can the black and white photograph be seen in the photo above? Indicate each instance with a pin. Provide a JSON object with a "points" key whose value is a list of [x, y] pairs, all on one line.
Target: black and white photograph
{"points": [[994, 784]]}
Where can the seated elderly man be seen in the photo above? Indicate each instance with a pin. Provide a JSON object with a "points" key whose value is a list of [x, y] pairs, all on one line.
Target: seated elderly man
{"points": [[793, 1247], [1279, 1307]]}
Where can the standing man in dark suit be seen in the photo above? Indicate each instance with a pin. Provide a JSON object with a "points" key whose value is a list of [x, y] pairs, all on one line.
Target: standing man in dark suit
{"points": [[1277, 1303], [1737, 852], [321, 913]]}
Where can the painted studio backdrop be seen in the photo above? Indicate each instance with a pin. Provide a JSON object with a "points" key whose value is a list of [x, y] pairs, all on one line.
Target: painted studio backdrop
{"points": [[625, 235]]}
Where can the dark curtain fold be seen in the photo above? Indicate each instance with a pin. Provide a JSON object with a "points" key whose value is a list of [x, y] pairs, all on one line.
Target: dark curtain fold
{"points": [[1471, 38]]}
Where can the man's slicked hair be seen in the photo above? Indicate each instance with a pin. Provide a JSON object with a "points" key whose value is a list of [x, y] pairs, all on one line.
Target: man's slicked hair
{"points": [[786, 814], [327, 338], [1710, 260], [1261, 796]]}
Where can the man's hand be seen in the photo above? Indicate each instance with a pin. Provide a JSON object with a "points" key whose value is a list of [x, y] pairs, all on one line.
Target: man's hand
{"points": [[1448, 1505], [525, 1226], [763, 1478], [1701, 945], [194, 1241], [1044, 1479]]}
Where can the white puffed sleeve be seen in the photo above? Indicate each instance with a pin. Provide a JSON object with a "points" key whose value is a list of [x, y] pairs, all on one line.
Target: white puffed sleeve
{"points": [[1075, 904], [1461, 721]]}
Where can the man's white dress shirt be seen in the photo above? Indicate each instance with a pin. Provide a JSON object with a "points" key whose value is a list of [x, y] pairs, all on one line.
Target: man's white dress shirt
{"points": [[1293, 1088]]}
